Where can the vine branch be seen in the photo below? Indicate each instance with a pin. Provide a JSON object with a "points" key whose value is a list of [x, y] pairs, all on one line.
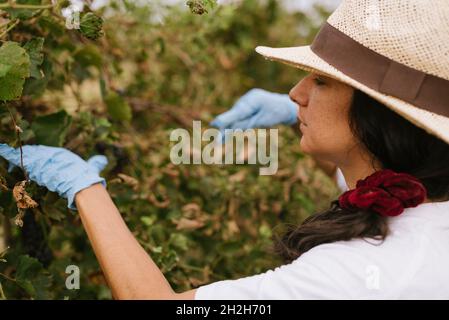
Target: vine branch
{"points": [[7, 277], [12, 26], [18, 131], [25, 6]]}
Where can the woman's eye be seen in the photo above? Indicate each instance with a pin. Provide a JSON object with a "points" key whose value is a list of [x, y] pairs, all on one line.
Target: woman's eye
{"points": [[319, 81]]}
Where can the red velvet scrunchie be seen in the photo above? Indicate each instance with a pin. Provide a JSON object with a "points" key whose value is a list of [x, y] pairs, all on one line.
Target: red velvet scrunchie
{"points": [[385, 192]]}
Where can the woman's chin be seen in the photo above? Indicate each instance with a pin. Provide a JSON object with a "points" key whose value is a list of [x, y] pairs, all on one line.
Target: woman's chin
{"points": [[304, 146], [309, 148]]}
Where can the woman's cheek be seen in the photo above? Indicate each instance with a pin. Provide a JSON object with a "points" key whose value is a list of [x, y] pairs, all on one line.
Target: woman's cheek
{"points": [[311, 141], [319, 140]]}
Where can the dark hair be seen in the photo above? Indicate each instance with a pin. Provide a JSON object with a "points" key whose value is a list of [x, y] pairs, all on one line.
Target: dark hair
{"points": [[398, 145]]}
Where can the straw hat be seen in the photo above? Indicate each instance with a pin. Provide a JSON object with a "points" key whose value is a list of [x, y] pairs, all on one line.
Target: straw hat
{"points": [[396, 51]]}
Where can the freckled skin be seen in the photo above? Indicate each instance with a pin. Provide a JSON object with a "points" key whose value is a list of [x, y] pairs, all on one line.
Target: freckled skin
{"points": [[324, 110]]}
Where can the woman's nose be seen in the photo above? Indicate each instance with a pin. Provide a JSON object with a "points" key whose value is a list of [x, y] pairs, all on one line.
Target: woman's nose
{"points": [[298, 94]]}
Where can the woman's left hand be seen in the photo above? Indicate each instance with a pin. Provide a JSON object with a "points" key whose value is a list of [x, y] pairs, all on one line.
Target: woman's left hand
{"points": [[58, 169]]}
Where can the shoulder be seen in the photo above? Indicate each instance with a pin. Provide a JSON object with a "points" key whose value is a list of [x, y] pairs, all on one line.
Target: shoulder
{"points": [[339, 270], [414, 253], [357, 269]]}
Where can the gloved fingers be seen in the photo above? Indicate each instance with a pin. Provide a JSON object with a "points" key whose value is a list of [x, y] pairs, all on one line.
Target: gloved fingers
{"points": [[10, 154], [242, 109], [216, 123], [256, 121], [243, 125], [225, 119], [98, 162], [263, 120], [227, 133]]}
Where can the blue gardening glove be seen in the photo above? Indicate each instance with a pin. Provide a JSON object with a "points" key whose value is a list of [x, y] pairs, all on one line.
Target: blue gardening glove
{"points": [[58, 169], [258, 109]]}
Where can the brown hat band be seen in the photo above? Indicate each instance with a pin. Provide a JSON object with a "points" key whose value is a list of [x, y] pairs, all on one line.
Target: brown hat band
{"points": [[380, 73]]}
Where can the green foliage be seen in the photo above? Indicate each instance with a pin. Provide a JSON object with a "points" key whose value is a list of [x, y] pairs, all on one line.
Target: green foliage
{"points": [[201, 6], [31, 277], [51, 129], [121, 96], [34, 49], [23, 14], [91, 26], [117, 107], [14, 69]]}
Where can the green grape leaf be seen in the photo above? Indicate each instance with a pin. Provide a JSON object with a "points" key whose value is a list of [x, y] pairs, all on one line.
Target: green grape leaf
{"points": [[49, 24], [88, 55], [117, 107], [14, 69], [201, 6], [179, 241], [36, 87], [34, 49], [54, 207], [103, 89], [23, 14], [27, 133], [31, 276], [4, 69], [91, 26], [51, 129]]}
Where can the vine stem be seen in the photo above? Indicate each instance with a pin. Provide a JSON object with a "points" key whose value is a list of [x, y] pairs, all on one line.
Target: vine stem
{"points": [[6, 277], [25, 6], [12, 26], [4, 24], [18, 131], [2, 294]]}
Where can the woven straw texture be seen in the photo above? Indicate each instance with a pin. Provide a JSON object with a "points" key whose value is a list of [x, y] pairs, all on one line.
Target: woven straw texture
{"points": [[412, 32]]}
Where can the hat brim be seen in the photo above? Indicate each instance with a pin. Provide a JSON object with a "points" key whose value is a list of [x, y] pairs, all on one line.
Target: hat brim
{"points": [[304, 58]]}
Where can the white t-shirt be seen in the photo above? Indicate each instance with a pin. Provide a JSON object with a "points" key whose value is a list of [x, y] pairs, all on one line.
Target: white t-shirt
{"points": [[412, 263], [340, 179]]}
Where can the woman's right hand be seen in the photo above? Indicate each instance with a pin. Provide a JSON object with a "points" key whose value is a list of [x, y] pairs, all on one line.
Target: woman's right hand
{"points": [[258, 109], [58, 169]]}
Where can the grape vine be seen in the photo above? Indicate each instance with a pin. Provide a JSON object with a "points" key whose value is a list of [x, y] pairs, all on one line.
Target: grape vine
{"points": [[115, 83]]}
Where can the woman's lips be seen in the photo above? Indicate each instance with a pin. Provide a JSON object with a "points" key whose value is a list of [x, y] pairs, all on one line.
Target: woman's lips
{"points": [[302, 124]]}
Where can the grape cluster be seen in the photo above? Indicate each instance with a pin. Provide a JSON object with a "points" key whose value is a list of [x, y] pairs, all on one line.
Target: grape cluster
{"points": [[34, 240]]}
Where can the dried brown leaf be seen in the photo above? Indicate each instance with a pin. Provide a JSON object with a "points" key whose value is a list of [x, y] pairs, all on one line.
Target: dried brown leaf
{"points": [[18, 219], [128, 180], [191, 210], [188, 224], [159, 204], [23, 199]]}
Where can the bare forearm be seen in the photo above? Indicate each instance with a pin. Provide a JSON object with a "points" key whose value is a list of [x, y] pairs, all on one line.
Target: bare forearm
{"points": [[129, 270]]}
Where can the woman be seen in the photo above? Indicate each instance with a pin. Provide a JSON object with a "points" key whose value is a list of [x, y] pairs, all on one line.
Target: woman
{"points": [[259, 108], [383, 123]]}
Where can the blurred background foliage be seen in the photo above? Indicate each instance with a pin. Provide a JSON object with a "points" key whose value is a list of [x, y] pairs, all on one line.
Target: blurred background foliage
{"points": [[119, 91]]}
